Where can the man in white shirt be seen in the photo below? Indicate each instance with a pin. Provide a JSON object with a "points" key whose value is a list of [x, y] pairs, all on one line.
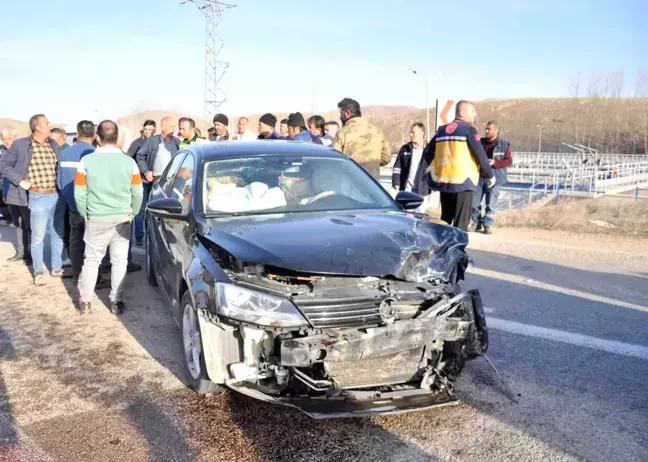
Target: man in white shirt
{"points": [[408, 161], [243, 134], [409, 169]]}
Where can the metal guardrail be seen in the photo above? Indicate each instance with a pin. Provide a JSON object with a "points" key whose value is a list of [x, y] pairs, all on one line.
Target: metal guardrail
{"points": [[584, 173]]}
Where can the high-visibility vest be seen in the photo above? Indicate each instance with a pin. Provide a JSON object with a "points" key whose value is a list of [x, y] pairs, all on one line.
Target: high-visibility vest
{"points": [[453, 162]]}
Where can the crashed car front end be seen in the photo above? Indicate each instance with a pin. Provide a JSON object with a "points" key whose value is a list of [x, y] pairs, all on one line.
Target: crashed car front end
{"points": [[338, 345]]}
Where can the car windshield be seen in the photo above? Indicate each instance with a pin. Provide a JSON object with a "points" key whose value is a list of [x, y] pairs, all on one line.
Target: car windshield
{"points": [[289, 183]]}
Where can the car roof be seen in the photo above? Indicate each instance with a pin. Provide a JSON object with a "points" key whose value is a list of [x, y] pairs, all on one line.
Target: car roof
{"points": [[220, 149]]}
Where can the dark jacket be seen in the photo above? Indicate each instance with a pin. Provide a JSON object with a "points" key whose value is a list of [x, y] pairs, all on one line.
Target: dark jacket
{"points": [[5, 181], [272, 136], [135, 146], [146, 155], [14, 164], [500, 152], [402, 168], [67, 169]]}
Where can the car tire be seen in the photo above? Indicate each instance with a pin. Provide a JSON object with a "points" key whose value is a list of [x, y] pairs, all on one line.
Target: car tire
{"points": [[150, 270], [192, 350]]}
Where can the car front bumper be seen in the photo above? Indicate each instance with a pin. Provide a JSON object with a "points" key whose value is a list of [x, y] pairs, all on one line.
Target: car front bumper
{"points": [[370, 357]]}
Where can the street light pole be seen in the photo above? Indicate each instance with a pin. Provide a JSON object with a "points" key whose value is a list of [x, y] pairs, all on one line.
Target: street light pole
{"points": [[427, 106], [540, 139]]}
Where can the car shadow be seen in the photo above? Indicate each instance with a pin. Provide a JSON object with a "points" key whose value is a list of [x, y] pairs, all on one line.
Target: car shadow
{"points": [[9, 438], [148, 319], [242, 428], [165, 438]]}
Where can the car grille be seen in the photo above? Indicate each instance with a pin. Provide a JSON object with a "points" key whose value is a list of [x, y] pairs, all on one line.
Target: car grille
{"points": [[371, 372], [352, 312]]}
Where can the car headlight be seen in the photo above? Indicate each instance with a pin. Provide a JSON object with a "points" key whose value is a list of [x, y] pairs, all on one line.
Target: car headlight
{"points": [[256, 307]]}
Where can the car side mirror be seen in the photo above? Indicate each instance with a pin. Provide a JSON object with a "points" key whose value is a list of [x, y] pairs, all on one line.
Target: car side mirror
{"points": [[408, 200], [166, 208]]}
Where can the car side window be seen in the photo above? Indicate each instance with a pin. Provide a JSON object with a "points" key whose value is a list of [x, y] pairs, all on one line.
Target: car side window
{"points": [[183, 185], [169, 174]]}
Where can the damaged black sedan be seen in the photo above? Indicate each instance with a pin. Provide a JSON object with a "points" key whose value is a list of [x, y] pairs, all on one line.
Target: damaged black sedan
{"points": [[296, 279]]}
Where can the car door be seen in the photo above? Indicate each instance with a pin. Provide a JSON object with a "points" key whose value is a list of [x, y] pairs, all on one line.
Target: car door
{"points": [[160, 246], [181, 232]]}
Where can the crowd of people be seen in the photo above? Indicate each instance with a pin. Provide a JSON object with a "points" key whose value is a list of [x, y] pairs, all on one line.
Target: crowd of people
{"points": [[89, 198]]}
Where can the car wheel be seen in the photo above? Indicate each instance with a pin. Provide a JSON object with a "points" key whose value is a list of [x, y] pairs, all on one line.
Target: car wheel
{"points": [[150, 271], [192, 349]]}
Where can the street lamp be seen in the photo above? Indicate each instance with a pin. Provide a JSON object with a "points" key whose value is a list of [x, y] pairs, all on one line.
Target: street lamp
{"points": [[539, 138], [427, 106]]}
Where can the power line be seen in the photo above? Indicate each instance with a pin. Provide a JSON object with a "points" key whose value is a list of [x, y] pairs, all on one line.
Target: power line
{"points": [[214, 68]]}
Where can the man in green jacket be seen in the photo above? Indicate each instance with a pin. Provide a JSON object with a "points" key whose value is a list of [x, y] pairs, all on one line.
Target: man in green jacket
{"points": [[108, 195], [188, 133]]}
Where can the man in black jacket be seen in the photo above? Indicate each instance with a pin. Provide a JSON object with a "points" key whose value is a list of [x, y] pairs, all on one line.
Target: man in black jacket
{"points": [[152, 158], [407, 174], [148, 130]]}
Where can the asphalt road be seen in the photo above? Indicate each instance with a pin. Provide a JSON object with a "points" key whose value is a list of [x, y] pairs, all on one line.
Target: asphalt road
{"points": [[568, 332]]}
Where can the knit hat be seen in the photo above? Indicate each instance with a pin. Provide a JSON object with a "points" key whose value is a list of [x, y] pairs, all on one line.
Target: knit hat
{"points": [[268, 119], [222, 118], [296, 120]]}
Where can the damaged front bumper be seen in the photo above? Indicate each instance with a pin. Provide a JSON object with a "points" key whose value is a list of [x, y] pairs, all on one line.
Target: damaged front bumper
{"points": [[349, 372]]}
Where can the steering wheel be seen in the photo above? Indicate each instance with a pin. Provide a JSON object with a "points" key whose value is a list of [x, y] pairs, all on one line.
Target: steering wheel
{"points": [[321, 195]]}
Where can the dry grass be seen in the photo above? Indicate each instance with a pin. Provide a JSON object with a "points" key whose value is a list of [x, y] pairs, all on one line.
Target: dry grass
{"points": [[612, 215]]}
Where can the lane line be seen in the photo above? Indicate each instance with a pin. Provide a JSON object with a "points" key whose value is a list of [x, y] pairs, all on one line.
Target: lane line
{"points": [[509, 277], [609, 346], [488, 310], [507, 243]]}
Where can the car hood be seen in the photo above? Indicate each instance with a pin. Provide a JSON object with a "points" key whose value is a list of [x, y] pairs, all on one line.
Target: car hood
{"points": [[404, 245]]}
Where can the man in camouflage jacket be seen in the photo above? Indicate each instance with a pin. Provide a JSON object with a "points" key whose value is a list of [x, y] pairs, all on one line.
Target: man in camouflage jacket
{"points": [[358, 139]]}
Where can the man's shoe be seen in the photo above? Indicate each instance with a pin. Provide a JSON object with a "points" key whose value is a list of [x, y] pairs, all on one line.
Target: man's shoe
{"points": [[18, 257], [474, 227], [488, 230], [133, 267], [84, 308], [39, 279], [62, 273], [102, 283], [117, 308]]}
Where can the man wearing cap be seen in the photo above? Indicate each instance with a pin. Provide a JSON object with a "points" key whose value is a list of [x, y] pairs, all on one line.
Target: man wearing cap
{"points": [[297, 130], [220, 128], [267, 123]]}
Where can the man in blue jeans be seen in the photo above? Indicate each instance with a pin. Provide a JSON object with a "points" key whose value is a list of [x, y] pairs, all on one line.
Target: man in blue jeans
{"points": [[30, 165], [500, 158]]}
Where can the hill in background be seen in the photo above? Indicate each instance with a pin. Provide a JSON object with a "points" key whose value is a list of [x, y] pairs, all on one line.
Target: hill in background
{"points": [[612, 125], [609, 124]]}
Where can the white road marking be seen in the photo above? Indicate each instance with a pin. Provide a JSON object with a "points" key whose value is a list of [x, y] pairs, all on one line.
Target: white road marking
{"points": [[510, 277], [609, 346], [489, 310]]}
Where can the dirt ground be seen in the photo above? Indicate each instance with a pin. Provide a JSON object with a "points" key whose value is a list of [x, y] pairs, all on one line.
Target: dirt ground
{"points": [[603, 215], [102, 387]]}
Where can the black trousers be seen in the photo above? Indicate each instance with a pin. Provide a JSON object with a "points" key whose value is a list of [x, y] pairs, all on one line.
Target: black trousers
{"points": [[20, 219], [456, 208], [77, 246], [66, 232]]}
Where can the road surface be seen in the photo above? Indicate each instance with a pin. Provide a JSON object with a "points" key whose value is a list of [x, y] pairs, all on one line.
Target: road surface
{"points": [[568, 318]]}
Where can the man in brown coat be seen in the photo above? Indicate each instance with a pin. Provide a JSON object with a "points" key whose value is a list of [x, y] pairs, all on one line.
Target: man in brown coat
{"points": [[360, 140]]}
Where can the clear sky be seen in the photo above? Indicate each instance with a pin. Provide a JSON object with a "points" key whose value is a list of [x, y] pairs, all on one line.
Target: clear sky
{"points": [[71, 57]]}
